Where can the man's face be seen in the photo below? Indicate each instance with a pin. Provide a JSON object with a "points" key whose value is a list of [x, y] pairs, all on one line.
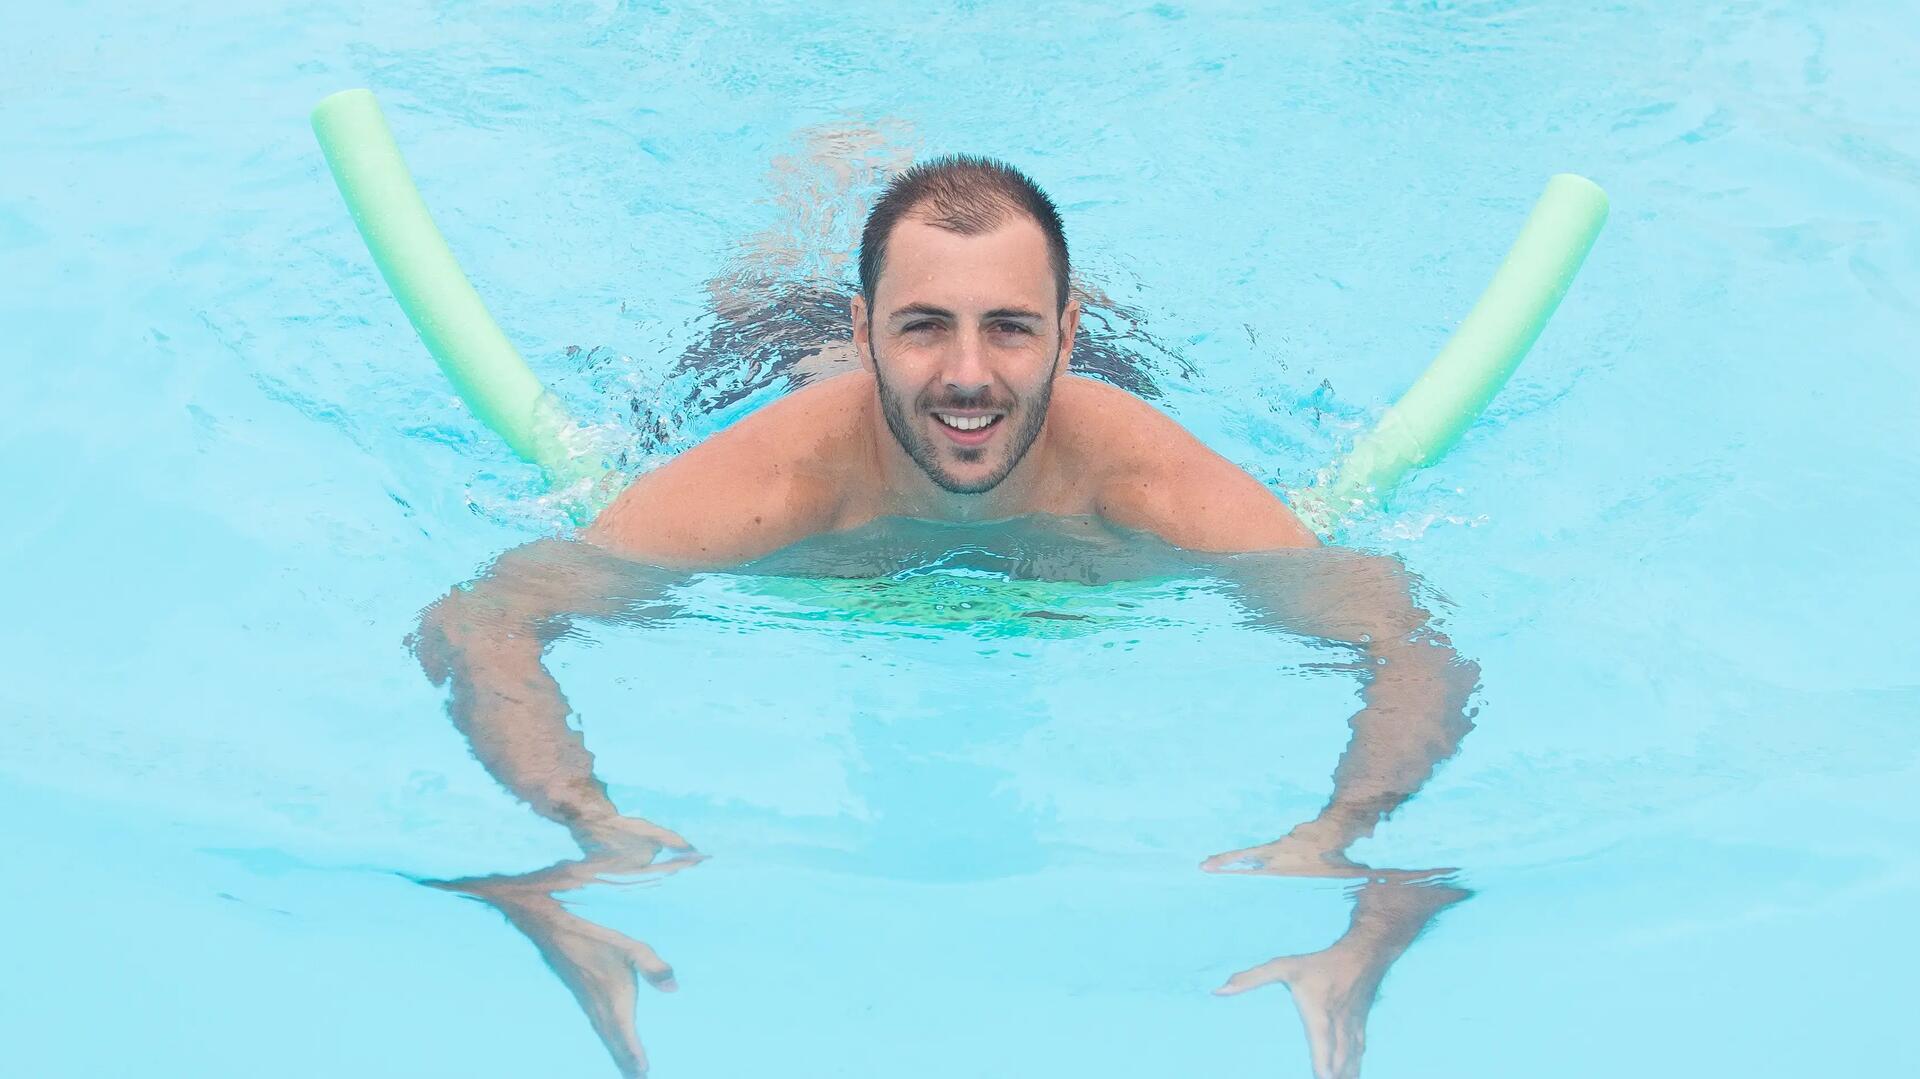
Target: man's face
{"points": [[965, 343]]}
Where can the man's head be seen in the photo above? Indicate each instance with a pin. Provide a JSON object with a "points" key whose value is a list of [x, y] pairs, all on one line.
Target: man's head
{"points": [[963, 316]]}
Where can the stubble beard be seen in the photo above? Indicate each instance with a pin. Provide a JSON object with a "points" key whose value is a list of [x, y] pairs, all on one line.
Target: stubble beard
{"points": [[1032, 415]]}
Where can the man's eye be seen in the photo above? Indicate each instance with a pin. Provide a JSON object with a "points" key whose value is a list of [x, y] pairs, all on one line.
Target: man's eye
{"points": [[923, 324], [1013, 327]]}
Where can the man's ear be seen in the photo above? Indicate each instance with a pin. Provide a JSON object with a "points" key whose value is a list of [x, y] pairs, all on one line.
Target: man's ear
{"points": [[862, 340], [1069, 326]]}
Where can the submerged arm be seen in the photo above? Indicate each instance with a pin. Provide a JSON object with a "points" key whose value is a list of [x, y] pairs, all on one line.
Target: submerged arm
{"points": [[488, 641], [716, 505], [1414, 696], [732, 498], [1415, 685], [1413, 716]]}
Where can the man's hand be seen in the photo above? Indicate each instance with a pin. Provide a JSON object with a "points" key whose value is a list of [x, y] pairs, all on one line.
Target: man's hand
{"points": [[1312, 849]]}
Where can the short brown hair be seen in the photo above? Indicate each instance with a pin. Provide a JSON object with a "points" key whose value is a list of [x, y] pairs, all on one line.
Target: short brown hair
{"points": [[965, 194]]}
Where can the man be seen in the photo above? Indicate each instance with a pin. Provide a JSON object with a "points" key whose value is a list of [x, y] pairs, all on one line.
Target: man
{"points": [[962, 410]]}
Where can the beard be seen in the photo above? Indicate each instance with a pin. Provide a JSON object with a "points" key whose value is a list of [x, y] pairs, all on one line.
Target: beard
{"points": [[1028, 417]]}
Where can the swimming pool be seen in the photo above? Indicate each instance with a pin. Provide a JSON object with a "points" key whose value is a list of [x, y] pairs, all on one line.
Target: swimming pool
{"points": [[1684, 814]]}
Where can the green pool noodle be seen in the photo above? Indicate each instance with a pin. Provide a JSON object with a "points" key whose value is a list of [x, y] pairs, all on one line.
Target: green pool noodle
{"points": [[1482, 353], [484, 367]]}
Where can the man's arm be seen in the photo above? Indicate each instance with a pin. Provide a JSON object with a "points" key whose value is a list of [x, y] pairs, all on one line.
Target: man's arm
{"points": [[1414, 694], [744, 492], [1415, 685], [487, 642], [714, 505]]}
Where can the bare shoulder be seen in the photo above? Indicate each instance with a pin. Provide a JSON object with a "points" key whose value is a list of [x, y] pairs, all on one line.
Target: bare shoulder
{"points": [[1153, 475], [775, 477]]}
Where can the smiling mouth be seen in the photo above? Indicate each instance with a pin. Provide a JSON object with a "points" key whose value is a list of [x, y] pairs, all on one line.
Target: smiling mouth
{"points": [[969, 430]]}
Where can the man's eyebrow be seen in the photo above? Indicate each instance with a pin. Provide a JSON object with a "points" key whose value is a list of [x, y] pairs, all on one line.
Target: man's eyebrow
{"points": [[920, 309], [1001, 313]]}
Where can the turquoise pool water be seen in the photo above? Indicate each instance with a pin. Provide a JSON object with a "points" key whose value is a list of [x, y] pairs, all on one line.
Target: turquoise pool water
{"points": [[1678, 547]]}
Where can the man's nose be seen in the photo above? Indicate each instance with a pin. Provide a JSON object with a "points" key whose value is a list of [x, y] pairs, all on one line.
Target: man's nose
{"points": [[967, 365]]}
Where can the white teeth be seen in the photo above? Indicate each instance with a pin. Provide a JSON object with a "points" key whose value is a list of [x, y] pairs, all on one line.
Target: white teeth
{"points": [[965, 423]]}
